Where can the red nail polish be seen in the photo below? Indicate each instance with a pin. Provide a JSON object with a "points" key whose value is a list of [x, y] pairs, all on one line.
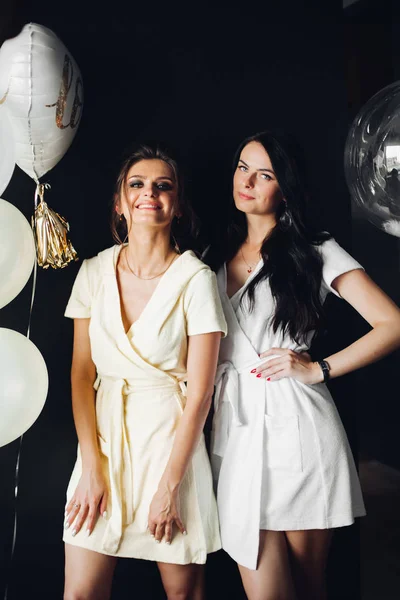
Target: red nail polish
{"points": [[253, 371], [268, 378], [258, 374]]}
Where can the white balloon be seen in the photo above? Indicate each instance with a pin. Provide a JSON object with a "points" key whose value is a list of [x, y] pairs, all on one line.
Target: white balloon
{"points": [[24, 384], [17, 252], [41, 88], [7, 150]]}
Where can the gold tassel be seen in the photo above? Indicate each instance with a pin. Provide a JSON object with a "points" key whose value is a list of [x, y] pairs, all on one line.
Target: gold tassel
{"points": [[50, 232]]}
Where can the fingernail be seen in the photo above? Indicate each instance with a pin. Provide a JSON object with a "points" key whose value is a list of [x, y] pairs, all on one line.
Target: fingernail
{"points": [[157, 541], [73, 533], [268, 378], [258, 375], [105, 514], [168, 543], [185, 532], [88, 532], [152, 535], [65, 513], [66, 525], [253, 371]]}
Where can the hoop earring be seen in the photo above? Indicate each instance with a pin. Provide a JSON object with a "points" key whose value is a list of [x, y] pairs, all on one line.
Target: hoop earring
{"points": [[120, 224]]}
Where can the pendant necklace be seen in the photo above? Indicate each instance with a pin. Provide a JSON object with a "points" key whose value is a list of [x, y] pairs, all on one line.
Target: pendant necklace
{"points": [[249, 267]]}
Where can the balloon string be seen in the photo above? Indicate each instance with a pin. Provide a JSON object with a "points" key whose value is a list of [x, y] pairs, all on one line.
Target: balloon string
{"points": [[16, 480], [16, 475], [28, 333]]}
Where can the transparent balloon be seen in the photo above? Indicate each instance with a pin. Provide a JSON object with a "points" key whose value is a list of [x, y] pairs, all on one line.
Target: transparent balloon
{"points": [[372, 160]]}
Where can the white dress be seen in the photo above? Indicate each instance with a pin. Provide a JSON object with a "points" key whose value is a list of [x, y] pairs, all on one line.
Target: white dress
{"points": [[280, 456], [140, 398]]}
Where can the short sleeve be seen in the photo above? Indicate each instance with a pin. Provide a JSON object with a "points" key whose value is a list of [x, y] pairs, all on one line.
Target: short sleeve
{"points": [[79, 304], [203, 308], [336, 261]]}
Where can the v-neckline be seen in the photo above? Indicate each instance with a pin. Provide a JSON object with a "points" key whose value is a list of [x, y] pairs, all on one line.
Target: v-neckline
{"points": [[243, 287], [234, 325], [149, 301]]}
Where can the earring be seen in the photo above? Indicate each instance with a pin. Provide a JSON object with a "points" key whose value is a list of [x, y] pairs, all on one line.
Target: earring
{"points": [[176, 245]]}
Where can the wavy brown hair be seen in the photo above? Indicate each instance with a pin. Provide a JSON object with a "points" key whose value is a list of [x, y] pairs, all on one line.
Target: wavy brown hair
{"points": [[184, 229]]}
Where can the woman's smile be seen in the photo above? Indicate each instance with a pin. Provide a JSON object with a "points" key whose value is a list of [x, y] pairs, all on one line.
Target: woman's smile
{"points": [[246, 196], [146, 205]]}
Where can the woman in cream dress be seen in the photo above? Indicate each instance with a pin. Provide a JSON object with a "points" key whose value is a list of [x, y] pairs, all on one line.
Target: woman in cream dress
{"points": [[148, 323], [283, 466]]}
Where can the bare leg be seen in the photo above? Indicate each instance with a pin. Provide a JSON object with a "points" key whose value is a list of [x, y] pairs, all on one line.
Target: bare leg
{"points": [[272, 580], [182, 582], [88, 574], [308, 552]]}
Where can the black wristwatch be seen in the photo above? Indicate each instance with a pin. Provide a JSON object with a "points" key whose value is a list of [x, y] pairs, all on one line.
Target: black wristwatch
{"points": [[325, 368]]}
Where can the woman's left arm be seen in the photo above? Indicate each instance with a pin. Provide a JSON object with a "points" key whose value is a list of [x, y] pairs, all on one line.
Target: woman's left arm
{"points": [[374, 306], [201, 367], [378, 310]]}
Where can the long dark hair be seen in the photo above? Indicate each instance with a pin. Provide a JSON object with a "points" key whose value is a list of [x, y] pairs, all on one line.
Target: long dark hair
{"points": [[184, 229], [292, 262]]}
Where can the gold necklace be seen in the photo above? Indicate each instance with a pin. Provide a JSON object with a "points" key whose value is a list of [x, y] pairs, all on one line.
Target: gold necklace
{"points": [[249, 267], [148, 278]]}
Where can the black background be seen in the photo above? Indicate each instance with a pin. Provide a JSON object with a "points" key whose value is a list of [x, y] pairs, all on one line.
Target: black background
{"points": [[200, 78]]}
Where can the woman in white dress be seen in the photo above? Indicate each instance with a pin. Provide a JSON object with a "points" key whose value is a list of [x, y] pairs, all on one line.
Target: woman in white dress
{"points": [[284, 472], [147, 329]]}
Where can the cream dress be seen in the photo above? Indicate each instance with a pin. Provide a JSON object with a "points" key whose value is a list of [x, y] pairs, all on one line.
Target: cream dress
{"points": [[139, 401], [280, 455]]}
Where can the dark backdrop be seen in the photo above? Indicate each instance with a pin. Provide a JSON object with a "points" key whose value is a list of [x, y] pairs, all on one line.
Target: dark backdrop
{"points": [[200, 82]]}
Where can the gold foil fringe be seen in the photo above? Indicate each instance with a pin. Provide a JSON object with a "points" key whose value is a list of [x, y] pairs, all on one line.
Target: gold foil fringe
{"points": [[53, 248]]}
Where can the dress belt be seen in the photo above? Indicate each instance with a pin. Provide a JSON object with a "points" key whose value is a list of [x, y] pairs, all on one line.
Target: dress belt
{"points": [[117, 450], [226, 384], [227, 391]]}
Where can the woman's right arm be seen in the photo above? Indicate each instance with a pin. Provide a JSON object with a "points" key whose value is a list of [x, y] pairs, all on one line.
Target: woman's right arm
{"points": [[91, 492], [83, 375]]}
